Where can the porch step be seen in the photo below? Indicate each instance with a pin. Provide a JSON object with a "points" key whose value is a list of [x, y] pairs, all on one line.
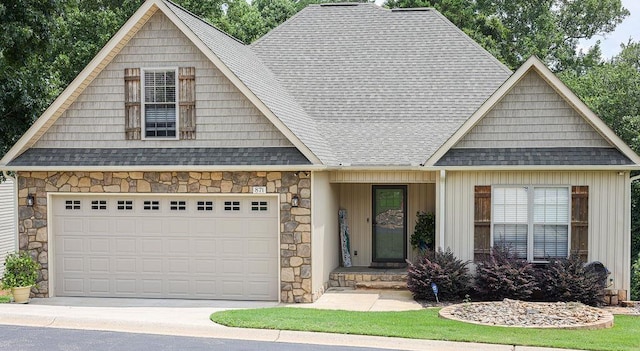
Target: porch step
{"points": [[630, 303], [382, 285], [368, 278]]}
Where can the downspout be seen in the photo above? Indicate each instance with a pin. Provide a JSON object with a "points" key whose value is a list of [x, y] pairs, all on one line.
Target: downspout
{"points": [[443, 176], [15, 208]]}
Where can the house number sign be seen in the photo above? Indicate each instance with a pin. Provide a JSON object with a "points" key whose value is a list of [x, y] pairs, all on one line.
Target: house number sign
{"points": [[259, 189]]}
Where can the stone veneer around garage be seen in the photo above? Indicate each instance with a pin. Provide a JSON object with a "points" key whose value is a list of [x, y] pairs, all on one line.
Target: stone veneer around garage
{"points": [[295, 223]]}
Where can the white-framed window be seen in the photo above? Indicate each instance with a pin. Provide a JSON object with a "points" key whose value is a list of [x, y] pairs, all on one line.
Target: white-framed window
{"points": [[532, 221], [160, 103]]}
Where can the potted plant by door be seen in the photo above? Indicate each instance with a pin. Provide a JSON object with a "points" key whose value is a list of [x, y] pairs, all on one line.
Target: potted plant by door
{"points": [[424, 234], [20, 274]]}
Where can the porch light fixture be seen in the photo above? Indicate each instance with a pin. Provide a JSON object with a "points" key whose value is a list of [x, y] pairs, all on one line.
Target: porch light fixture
{"points": [[30, 200], [295, 201]]}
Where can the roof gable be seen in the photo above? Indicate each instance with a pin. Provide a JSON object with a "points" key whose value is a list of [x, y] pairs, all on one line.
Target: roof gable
{"points": [[205, 37], [589, 130]]}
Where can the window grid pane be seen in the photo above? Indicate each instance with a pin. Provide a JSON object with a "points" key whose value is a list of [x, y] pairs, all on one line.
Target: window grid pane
{"points": [[550, 241], [160, 104]]}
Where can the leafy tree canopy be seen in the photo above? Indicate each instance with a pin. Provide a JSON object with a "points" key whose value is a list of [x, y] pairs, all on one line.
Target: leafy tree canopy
{"points": [[514, 30]]}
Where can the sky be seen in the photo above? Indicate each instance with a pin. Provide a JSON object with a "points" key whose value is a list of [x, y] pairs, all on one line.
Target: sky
{"points": [[610, 44], [629, 28]]}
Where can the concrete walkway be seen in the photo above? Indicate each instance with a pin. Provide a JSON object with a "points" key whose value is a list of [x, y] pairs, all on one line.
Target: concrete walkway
{"points": [[191, 318]]}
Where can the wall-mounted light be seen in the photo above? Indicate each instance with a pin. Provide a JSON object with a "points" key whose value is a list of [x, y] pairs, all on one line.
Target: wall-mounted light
{"points": [[31, 199], [295, 201]]}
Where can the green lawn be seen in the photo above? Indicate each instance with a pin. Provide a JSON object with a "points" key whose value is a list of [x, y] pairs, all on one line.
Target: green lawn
{"points": [[425, 324]]}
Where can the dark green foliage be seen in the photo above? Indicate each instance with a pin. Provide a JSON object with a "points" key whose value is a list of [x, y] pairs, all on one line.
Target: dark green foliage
{"points": [[443, 268], [568, 280], [635, 279], [501, 275], [20, 270], [424, 234]]}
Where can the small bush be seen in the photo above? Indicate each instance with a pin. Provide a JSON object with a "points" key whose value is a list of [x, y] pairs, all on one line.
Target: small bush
{"points": [[450, 274], [501, 275], [570, 280], [635, 280]]}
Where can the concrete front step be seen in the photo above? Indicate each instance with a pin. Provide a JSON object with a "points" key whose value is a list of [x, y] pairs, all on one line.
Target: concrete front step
{"points": [[382, 285], [369, 278]]}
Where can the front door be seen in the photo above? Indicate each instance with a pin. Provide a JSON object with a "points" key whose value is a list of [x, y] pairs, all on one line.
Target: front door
{"points": [[389, 223]]}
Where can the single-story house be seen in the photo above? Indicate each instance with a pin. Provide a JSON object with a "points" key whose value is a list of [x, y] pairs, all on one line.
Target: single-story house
{"points": [[182, 163]]}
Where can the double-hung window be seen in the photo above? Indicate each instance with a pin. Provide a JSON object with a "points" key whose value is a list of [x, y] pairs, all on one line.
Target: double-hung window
{"points": [[160, 103], [532, 221]]}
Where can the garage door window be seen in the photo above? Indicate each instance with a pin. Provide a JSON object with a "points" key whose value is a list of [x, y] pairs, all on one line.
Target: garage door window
{"points": [[259, 206], [205, 206], [178, 205], [72, 204], [232, 205], [125, 205], [99, 204], [151, 205]]}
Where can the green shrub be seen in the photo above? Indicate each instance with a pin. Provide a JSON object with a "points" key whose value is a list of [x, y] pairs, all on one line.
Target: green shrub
{"points": [[501, 275], [450, 274], [569, 280], [20, 269], [424, 234], [635, 279]]}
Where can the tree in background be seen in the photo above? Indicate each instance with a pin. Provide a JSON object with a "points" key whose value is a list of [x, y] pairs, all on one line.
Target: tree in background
{"points": [[612, 90], [514, 30]]}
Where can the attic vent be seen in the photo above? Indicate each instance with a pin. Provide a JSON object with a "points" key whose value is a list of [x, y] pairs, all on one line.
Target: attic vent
{"points": [[340, 4], [412, 9]]}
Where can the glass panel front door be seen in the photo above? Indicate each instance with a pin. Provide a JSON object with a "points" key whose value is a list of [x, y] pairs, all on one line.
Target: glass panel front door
{"points": [[389, 223]]}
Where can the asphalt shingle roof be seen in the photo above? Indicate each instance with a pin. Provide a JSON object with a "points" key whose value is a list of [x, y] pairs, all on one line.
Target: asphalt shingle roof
{"points": [[565, 156], [246, 65], [384, 87], [161, 157]]}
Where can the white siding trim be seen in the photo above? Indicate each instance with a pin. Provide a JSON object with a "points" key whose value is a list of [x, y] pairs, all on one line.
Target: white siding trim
{"points": [[8, 213]]}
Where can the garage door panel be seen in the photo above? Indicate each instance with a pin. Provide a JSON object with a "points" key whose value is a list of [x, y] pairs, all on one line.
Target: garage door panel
{"points": [[201, 251], [152, 265], [125, 265], [178, 265], [204, 266], [99, 265], [125, 245], [71, 245], [98, 245]]}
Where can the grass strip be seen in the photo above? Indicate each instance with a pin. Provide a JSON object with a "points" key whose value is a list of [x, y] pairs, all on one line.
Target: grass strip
{"points": [[425, 324]]}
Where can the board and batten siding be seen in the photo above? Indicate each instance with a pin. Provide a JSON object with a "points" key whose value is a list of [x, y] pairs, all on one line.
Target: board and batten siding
{"points": [[609, 212], [7, 221], [224, 116], [356, 199], [532, 114]]}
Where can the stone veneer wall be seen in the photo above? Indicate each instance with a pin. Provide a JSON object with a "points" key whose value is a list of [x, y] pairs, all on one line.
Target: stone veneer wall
{"points": [[295, 223]]}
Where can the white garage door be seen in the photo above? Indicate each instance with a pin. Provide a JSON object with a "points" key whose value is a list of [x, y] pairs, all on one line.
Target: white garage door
{"points": [[166, 247]]}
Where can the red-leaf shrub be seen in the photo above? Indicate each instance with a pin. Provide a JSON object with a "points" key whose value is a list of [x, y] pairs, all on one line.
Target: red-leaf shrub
{"points": [[501, 275], [450, 274], [570, 280]]}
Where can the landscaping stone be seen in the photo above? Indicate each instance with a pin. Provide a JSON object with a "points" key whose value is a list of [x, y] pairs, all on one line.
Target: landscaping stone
{"points": [[515, 313]]}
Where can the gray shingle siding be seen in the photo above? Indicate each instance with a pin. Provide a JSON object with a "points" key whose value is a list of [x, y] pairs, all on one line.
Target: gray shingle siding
{"points": [[249, 156], [566, 156]]}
